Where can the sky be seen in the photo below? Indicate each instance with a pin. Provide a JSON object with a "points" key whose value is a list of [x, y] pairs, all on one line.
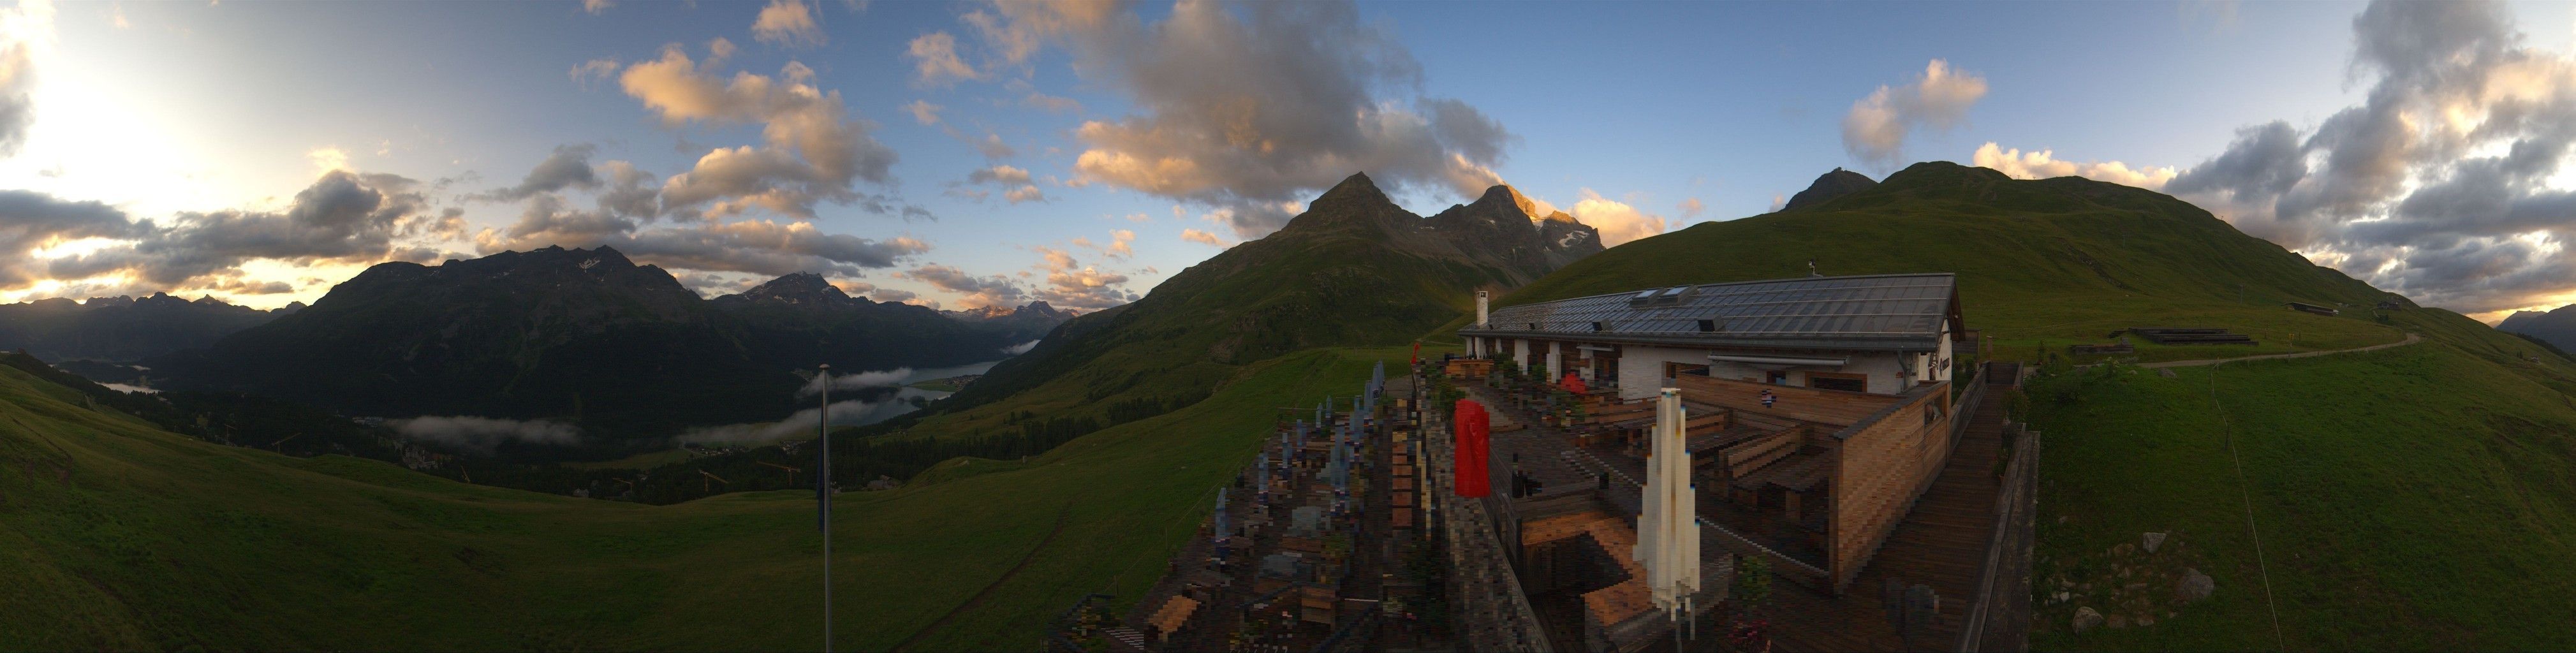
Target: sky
{"points": [[969, 154]]}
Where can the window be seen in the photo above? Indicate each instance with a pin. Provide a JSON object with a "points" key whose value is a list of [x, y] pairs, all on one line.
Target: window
{"points": [[1838, 381], [1672, 370], [1776, 377]]}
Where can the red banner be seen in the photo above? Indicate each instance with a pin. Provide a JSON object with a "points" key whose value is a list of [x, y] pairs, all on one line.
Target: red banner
{"points": [[1472, 429]]}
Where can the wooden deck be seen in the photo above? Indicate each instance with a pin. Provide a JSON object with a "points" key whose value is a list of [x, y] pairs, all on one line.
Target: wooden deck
{"points": [[1941, 543]]}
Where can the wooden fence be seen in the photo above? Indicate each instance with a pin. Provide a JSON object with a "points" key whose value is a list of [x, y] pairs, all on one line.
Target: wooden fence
{"points": [[2000, 619]]}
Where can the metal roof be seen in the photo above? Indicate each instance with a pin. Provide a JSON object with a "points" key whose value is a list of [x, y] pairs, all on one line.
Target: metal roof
{"points": [[1869, 312]]}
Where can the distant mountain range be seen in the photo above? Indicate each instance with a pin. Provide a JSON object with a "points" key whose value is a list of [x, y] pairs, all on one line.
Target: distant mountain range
{"points": [[1028, 322], [579, 335], [2556, 327], [123, 328]]}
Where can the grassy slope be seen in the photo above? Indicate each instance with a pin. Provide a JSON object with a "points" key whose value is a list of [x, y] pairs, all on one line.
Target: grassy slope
{"points": [[1264, 298], [2020, 250], [122, 536], [2414, 498]]}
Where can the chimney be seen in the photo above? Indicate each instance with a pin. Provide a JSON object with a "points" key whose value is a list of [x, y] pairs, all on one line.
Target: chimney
{"points": [[1480, 308]]}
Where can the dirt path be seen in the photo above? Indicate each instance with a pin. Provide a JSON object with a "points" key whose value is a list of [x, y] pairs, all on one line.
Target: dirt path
{"points": [[2410, 339], [987, 592]]}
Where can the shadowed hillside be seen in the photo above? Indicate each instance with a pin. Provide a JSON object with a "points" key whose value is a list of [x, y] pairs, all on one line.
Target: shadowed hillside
{"points": [[1354, 270]]}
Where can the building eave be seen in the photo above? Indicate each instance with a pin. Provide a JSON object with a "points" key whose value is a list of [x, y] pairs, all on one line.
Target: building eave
{"points": [[1898, 344]]}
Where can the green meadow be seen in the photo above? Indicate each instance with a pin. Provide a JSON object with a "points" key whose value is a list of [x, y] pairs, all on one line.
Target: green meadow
{"points": [[121, 536]]}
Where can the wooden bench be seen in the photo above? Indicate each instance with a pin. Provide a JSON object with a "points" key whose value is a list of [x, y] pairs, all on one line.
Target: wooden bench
{"points": [[1753, 454]]}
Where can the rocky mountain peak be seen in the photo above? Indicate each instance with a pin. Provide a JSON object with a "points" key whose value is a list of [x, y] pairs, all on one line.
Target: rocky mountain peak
{"points": [[1355, 188], [797, 288], [1038, 309]]}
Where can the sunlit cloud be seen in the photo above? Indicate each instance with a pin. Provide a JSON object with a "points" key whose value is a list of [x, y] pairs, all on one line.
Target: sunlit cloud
{"points": [[1876, 128]]}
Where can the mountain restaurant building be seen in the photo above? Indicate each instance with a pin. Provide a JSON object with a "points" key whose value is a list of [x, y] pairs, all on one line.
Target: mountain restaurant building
{"points": [[1879, 334], [1823, 405]]}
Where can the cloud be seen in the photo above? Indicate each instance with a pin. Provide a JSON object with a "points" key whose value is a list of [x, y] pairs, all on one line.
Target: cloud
{"points": [[483, 434], [345, 216], [1617, 221], [327, 159], [980, 292], [812, 151], [28, 30], [755, 246], [993, 148], [1022, 348], [1875, 130], [935, 60], [239, 286], [1121, 243], [1205, 238], [1013, 181], [1003, 174], [30, 220], [875, 379], [1691, 207], [597, 7], [2444, 183], [1248, 106], [593, 70], [1051, 103], [567, 167], [1088, 288], [788, 23], [803, 422], [2043, 164], [923, 112], [1065, 282]]}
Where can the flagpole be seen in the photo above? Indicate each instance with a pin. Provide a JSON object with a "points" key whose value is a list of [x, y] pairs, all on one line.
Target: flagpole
{"points": [[824, 422]]}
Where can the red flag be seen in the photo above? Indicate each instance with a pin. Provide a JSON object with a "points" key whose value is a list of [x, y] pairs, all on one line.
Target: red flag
{"points": [[1417, 353]]}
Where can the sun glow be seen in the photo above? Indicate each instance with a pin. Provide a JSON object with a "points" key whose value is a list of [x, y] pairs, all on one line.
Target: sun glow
{"points": [[60, 248]]}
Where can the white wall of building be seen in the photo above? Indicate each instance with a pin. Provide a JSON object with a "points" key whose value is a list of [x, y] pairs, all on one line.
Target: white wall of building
{"points": [[1641, 369]]}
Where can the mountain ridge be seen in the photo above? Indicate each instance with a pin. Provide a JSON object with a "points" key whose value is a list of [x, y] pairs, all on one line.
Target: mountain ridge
{"points": [[124, 328], [1354, 269], [555, 333]]}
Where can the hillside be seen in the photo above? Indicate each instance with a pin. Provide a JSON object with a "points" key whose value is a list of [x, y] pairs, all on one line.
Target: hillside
{"points": [[2053, 261], [123, 328], [125, 537], [1354, 270], [2410, 498]]}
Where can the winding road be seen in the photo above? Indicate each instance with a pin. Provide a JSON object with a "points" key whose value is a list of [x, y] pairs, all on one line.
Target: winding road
{"points": [[2410, 339]]}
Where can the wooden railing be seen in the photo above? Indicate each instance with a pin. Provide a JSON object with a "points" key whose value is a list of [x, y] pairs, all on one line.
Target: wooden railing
{"points": [[1483, 577], [2003, 593]]}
